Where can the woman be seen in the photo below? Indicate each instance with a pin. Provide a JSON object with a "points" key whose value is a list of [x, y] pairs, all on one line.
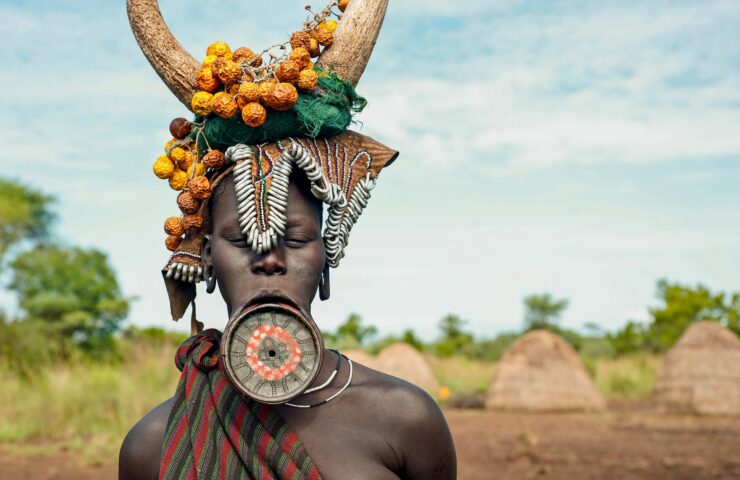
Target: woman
{"points": [[254, 228]]}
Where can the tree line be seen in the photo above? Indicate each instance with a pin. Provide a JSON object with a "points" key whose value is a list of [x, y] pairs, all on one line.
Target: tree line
{"points": [[679, 307], [70, 303]]}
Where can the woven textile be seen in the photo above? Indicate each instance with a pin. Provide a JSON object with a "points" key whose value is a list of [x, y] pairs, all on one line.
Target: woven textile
{"points": [[214, 433]]}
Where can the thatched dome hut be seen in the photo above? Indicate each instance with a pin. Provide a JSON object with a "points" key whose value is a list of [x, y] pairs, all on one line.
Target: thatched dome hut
{"points": [[701, 373], [360, 356], [404, 361], [541, 372]]}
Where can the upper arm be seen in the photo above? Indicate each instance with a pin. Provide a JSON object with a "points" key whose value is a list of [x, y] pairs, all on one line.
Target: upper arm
{"points": [[427, 451], [141, 449]]}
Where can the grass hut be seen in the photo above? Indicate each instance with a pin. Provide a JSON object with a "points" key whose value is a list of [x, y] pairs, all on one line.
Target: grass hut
{"points": [[404, 361], [541, 372], [701, 373]]}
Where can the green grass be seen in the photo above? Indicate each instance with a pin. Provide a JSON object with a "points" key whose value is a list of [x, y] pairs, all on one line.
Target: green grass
{"points": [[631, 377], [461, 375], [85, 407], [88, 407]]}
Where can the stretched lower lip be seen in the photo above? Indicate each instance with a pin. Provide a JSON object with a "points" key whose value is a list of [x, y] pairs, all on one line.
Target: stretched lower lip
{"points": [[271, 297]]}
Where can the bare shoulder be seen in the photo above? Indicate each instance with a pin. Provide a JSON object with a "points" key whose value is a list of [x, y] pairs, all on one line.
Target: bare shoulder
{"points": [[423, 444], [141, 449], [403, 401]]}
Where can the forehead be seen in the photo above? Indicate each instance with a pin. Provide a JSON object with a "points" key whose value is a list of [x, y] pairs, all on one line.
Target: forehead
{"points": [[301, 203]]}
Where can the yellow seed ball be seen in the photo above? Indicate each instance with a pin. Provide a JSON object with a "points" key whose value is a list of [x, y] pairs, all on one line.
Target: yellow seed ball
{"points": [[208, 61], [218, 49], [173, 226], [245, 55], [254, 114], [178, 180], [163, 167], [199, 168], [330, 25], [343, 5], [282, 96], [229, 72], [288, 71], [265, 88], [301, 57], [185, 163], [224, 105], [248, 92], [201, 103], [300, 39], [323, 35], [177, 154], [207, 80], [169, 145], [307, 79], [172, 242]]}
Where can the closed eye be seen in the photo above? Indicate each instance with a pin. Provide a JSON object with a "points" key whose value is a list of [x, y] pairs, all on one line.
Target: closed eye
{"points": [[239, 241], [296, 240]]}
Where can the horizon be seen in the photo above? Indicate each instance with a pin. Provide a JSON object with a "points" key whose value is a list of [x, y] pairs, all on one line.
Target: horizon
{"points": [[585, 151]]}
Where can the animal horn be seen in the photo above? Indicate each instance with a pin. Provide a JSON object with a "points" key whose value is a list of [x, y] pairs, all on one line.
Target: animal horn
{"points": [[354, 39], [174, 65]]}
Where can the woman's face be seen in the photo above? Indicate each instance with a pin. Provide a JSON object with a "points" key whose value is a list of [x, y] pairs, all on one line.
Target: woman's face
{"points": [[290, 271]]}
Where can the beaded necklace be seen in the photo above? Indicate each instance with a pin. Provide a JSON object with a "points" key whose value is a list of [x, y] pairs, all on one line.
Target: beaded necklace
{"points": [[326, 384]]}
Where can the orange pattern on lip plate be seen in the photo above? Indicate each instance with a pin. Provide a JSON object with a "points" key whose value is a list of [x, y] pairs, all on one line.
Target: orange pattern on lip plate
{"points": [[281, 335]]}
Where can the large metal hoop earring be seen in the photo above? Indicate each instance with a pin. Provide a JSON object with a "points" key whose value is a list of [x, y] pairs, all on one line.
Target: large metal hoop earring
{"points": [[210, 280], [324, 285]]}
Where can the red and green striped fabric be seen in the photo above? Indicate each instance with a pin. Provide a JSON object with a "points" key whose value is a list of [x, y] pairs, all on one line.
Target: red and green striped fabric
{"points": [[214, 433]]}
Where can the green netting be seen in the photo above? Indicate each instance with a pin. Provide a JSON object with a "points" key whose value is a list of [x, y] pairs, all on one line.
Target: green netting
{"points": [[311, 116]]}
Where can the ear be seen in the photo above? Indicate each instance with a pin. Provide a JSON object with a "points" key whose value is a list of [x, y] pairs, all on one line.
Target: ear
{"points": [[205, 254], [206, 258]]}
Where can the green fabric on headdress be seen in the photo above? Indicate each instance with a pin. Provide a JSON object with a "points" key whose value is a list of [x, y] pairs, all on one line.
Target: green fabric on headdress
{"points": [[311, 116]]}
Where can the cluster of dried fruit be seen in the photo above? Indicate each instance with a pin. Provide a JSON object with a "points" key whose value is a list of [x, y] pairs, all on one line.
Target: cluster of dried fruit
{"points": [[240, 81], [231, 82], [185, 170]]}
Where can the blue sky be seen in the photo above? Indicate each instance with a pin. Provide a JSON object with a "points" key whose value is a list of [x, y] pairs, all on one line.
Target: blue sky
{"points": [[581, 148]]}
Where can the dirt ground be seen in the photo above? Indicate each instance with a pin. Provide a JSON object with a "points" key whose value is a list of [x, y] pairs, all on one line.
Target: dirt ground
{"points": [[624, 443]]}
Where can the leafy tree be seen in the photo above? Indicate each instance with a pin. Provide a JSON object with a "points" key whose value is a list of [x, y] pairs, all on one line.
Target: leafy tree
{"points": [[681, 306], [454, 339], [72, 292], [542, 310], [351, 334], [24, 215], [632, 338], [408, 336], [490, 350]]}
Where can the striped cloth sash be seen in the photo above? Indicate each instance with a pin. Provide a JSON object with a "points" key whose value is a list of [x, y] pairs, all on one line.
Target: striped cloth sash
{"points": [[214, 433]]}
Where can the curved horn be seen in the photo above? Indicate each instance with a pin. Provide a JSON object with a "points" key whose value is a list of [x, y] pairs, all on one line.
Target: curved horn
{"points": [[354, 39], [175, 66]]}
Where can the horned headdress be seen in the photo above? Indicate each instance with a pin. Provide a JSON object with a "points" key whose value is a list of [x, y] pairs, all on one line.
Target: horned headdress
{"points": [[259, 117]]}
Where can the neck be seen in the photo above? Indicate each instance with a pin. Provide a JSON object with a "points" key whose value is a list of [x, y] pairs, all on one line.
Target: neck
{"points": [[328, 365]]}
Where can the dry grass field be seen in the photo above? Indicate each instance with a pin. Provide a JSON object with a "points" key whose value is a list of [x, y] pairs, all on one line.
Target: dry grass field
{"points": [[68, 422]]}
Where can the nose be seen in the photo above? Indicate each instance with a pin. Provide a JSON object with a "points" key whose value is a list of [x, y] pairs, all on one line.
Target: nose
{"points": [[269, 263]]}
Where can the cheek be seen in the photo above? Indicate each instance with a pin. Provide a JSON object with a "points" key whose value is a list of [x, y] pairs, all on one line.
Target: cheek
{"points": [[229, 263], [307, 263]]}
